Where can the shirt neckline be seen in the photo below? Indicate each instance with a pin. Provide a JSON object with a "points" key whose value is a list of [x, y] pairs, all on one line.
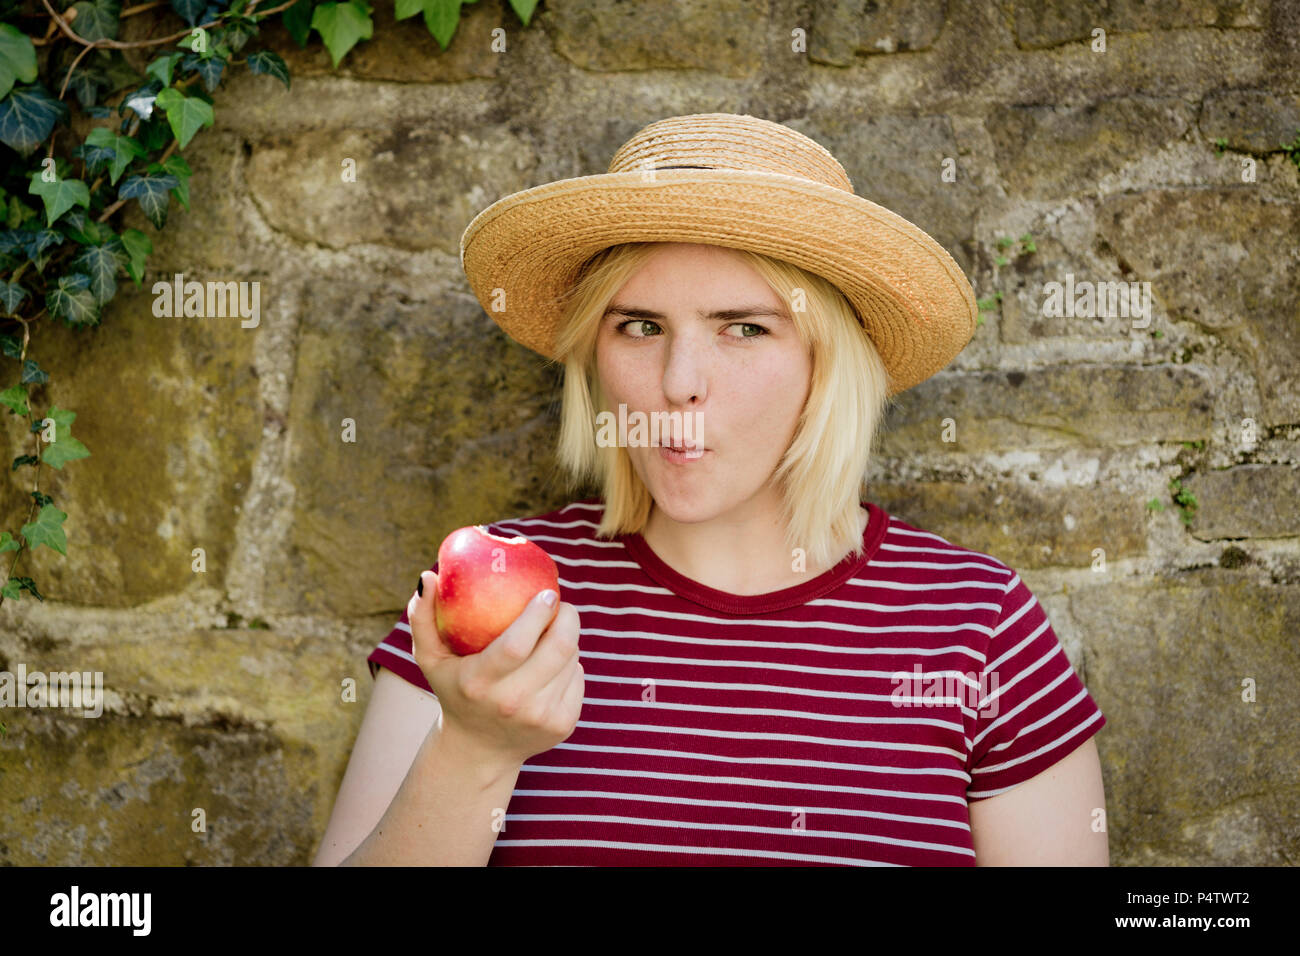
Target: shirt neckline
{"points": [[718, 600]]}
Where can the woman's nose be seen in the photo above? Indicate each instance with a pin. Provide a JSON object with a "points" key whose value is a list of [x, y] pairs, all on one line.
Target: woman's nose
{"points": [[685, 370]]}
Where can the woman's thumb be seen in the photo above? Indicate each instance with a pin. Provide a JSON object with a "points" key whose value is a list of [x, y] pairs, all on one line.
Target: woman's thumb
{"points": [[420, 614]]}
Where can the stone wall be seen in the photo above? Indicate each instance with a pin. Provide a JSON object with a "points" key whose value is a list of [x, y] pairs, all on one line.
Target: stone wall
{"points": [[223, 687]]}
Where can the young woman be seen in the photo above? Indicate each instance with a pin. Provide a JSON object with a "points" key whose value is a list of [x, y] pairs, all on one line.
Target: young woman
{"points": [[773, 670]]}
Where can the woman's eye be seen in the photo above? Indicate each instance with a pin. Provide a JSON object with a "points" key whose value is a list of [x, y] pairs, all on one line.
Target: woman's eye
{"points": [[757, 330], [640, 324]]}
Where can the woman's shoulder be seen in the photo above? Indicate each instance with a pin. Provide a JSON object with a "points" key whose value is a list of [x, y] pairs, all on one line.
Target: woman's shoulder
{"points": [[573, 521], [919, 546]]}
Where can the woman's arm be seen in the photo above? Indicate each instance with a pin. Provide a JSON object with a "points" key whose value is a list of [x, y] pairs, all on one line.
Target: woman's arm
{"points": [[413, 795], [1048, 820]]}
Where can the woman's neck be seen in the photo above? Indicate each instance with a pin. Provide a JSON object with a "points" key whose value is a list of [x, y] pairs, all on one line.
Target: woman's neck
{"points": [[736, 556]]}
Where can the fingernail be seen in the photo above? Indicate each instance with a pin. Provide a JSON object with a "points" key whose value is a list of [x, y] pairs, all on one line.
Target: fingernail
{"points": [[548, 597], [419, 588]]}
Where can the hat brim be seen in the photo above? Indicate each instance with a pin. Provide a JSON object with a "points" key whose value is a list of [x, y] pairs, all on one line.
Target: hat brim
{"points": [[914, 301]]}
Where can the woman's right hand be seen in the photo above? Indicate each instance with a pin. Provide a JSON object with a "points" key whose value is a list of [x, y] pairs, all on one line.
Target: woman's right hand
{"points": [[519, 696]]}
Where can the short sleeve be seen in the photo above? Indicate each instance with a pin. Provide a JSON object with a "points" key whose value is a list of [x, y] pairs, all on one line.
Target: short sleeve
{"points": [[1034, 709], [394, 653]]}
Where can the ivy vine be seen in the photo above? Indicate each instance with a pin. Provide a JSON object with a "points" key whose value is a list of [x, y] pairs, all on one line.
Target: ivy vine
{"points": [[61, 252]]}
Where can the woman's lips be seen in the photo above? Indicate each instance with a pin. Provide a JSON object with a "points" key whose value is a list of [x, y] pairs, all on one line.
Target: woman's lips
{"points": [[682, 457]]}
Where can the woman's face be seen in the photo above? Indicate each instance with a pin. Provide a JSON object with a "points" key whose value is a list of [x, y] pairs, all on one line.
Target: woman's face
{"points": [[745, 371]]}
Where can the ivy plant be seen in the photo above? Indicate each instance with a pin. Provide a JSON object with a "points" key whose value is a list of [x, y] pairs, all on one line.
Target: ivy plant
{"points": [[62, 248]]}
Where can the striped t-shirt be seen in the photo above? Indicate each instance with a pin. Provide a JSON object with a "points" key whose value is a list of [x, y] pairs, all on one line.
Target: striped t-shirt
{"points": [[846, 720]]}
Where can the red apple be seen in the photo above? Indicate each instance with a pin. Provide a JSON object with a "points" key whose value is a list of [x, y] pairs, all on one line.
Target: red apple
{"points": [[484, 583]]}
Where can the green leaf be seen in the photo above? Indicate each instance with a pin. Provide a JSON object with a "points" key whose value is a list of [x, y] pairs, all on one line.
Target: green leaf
{"points": [[72, 300], [11, 296], [176, 166], [270, 64], [79, 227], [58, 453], [440, 16], [137, 246], [8, 542], [23, 460], [97, 19], [523, 9], [152, 192], [33, 373], [59, 196], [16, 399], [161, 68], [125, 150], [85, 80], [185, 114], [38, 241], [101, 263], [17, 58], [11, 589], [297, 20], [342, 25], [239, 30], [47, 530], [27, 116], [189, 10], [207, 66]]}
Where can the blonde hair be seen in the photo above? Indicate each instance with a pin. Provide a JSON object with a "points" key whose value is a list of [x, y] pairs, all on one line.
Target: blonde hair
{"points": [[821, 476]]}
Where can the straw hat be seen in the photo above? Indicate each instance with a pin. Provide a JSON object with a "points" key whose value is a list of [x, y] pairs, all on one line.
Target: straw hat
{"points": [[729, 180]]}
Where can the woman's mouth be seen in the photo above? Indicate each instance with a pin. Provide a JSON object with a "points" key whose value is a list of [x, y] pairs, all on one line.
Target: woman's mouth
{"points": [[681, 454]]}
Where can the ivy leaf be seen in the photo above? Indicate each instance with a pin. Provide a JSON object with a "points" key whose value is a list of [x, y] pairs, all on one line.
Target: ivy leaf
{"points": [[189, 10], [11, 296], [64, 448], [342, 25], [27, 116], [78, 227], [17, 58], [23, 460], [176, 166], [137, 246], [141, 102], [33, 373], [60, 195], [8, 542], [297, 20], [151, 190], [239, 30], [9, 344], [38, 241], [161, 68], [47, 530], [97, 19], [208, 67], [185, 114], [123, 149], [17, 213], [85, 81], [72, 300], [16, 400], [101, 263], [269, 63], [523, 9], [11, 590], [13, 241], [440, 16]]}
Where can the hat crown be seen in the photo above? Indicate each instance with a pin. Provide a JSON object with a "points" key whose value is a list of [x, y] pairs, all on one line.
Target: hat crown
{"points": [[729, 141]]}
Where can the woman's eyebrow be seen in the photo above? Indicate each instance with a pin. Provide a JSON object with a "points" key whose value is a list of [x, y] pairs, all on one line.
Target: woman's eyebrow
{"points": [[743, 312]]}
